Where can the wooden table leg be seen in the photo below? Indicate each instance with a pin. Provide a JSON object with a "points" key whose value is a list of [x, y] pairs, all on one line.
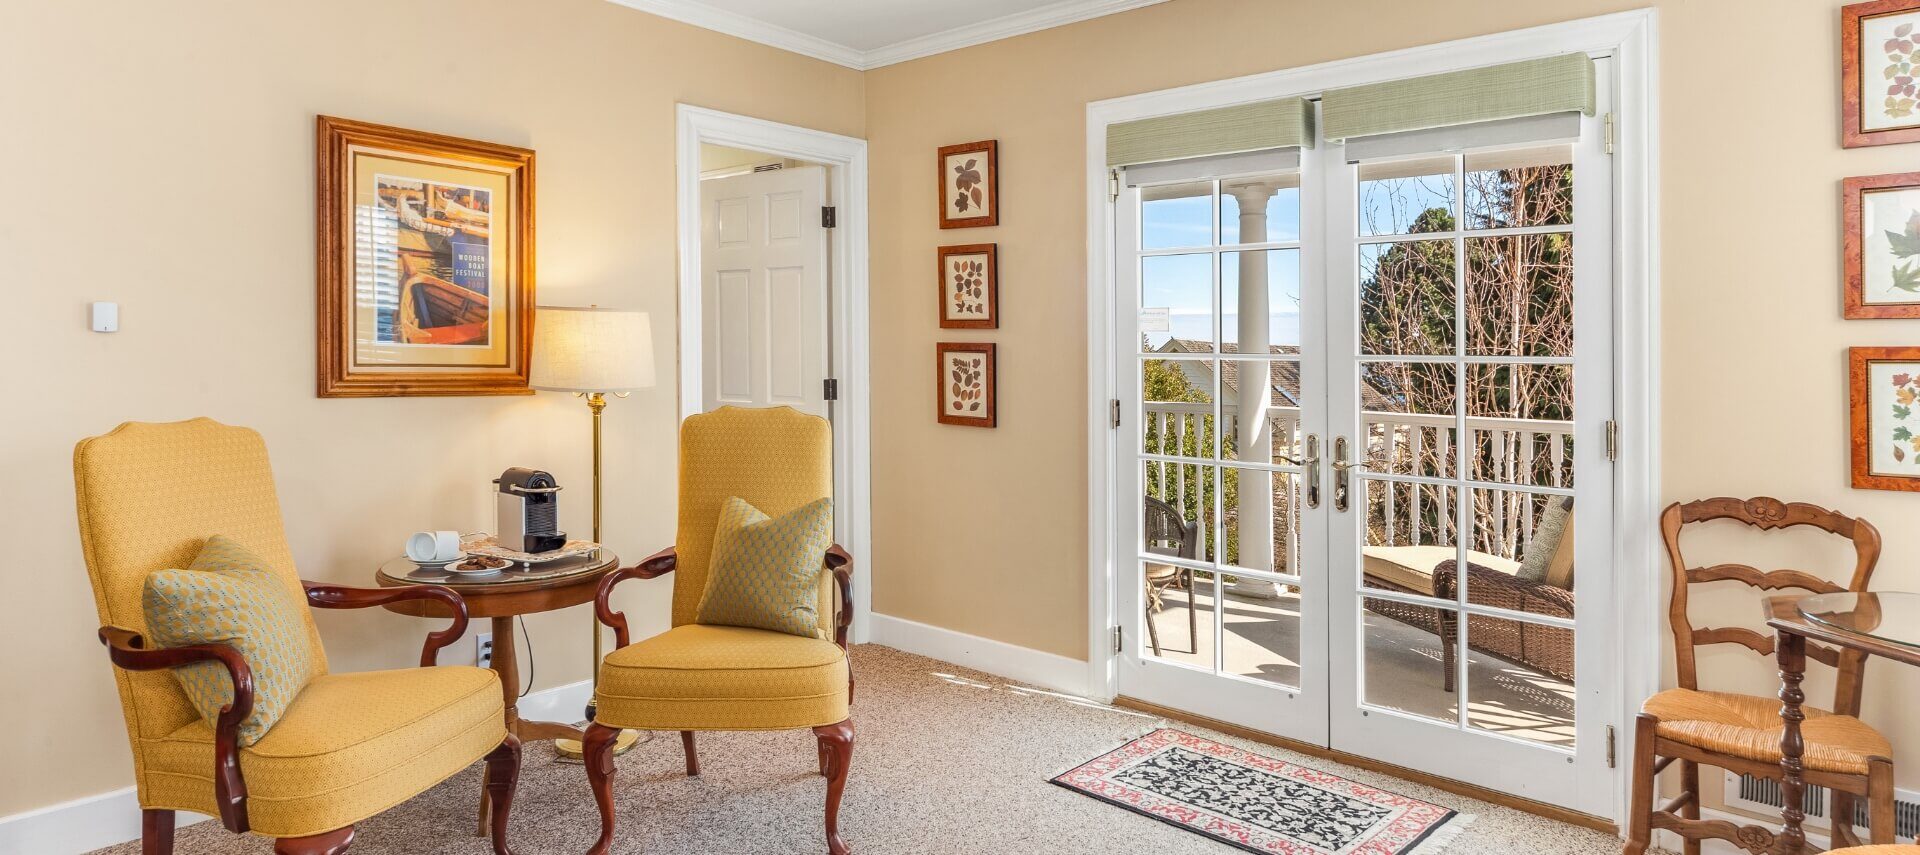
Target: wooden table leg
{"points": [[504, 664], [1791, 654]]}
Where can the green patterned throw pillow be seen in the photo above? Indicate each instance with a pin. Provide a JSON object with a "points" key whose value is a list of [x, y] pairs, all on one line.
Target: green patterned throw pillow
{"points": [[766, 572], [228, 596]]}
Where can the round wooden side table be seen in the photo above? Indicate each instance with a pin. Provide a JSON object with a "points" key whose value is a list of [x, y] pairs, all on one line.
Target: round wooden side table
{"points": [[515, 591]]}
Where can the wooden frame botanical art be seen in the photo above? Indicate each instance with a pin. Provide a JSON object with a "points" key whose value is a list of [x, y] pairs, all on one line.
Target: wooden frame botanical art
{"points": [[969, 287], [425, 263], [964, 384], [1880, 73], [1881, 241], [969, 185], [1884, 385]]}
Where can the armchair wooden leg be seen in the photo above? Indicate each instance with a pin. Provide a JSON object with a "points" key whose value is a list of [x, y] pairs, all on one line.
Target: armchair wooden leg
{"points": [[1880, 817], [503, 775], [693, 753], [156, 830], [826, 760], [596, 751], [1640, 812], [837, 739], [331, 843]]}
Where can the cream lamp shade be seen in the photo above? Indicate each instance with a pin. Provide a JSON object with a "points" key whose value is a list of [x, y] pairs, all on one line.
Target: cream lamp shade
{"points": [[591, 350]]}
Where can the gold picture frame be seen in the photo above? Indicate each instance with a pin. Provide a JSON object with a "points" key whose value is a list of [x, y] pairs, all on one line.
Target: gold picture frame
{"points": [[425, 263]]}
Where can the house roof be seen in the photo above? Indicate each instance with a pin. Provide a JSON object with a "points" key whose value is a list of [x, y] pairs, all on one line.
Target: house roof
{"points": [[1283, 374]]}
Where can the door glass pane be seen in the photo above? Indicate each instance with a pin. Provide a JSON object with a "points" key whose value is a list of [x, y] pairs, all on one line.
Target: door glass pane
{"points": [[1176, 215], [1407, 417], [1520, 423], [1406, 298], [1407, 196], [1521, 557], [1519, 297], [1252, 438], [1512, 696], [1403, 664], [1181, 287], [1520, 187], [1177, 396], [1410, 530], [1278, 302], [1262, 630], [1274, 201], [1180, 606], [1261, 515]]}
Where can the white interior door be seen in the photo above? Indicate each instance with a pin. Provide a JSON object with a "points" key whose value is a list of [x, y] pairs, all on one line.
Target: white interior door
{"points": [[764, 311]]}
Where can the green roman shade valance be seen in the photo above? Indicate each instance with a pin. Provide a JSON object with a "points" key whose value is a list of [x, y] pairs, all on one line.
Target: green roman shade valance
{"points": [[1261, 126], [1535, 87]]}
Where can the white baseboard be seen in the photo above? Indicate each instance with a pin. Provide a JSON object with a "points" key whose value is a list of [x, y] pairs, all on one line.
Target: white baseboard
{"points": [[96, 821], [1021, 664]]}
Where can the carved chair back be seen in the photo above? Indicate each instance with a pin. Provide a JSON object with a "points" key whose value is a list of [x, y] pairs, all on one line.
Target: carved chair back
{"points": [[777, 459], [1765, 514], [148, 497]]}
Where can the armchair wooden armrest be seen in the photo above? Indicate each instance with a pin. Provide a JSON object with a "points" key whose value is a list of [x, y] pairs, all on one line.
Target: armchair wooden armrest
{"points": [[652, 567], [128, 650], [322, 596], [840, 563]]}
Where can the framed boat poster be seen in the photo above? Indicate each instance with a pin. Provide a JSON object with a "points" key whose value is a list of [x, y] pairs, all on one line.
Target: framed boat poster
{"points": [[426, 263]]}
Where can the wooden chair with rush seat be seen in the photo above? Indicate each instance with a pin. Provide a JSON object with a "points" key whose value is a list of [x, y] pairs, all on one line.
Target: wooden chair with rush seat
{"points": [[696, 677], [1741, 733], [347, 746]]}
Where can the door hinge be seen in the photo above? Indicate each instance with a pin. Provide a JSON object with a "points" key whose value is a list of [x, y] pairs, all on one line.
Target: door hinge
{"points": [[830, 389], [1113, 418], [1610, 746], [1609, 123], [829, 216], [1119, 646], [1613, 440], [1113, 185]]}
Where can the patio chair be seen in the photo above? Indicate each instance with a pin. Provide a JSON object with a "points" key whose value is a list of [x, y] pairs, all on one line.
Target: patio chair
{"points": [[1170, 533]]}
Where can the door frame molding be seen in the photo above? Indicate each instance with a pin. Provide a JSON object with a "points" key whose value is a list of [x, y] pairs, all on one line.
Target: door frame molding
{"points": [[846, 282], [1631, 39]]}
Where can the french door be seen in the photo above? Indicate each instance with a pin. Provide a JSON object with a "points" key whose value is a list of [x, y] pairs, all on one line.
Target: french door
{"points": [[1365, 407]]}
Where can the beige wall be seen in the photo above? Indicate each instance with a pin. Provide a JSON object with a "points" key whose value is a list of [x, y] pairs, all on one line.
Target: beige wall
{"points": [[161, 156], [1753, 372]]}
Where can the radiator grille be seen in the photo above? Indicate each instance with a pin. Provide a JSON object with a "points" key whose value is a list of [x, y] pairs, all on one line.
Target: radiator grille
{"points": [[1763, 794]]}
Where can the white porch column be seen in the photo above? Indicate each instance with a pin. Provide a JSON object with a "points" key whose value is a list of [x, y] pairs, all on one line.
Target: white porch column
{"points": [[1254, 435]]}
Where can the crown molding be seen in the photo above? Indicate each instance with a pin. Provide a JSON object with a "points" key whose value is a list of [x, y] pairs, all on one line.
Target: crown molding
{"points": [[752, 29]]}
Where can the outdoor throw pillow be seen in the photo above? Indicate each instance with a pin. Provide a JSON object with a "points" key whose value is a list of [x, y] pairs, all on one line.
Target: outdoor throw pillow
{"points": [[228, 596], [1534, 566], [766, 572]]}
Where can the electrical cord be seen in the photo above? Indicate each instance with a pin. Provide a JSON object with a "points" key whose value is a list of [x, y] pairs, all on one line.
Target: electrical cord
{"points": [[528, 685]]}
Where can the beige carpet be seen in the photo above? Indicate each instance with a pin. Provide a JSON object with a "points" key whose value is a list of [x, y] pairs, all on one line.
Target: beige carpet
{"points": [[948, 762]]}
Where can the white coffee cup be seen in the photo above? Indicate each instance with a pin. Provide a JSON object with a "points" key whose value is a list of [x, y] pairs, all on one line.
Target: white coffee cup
{"points": [[433, 545]]}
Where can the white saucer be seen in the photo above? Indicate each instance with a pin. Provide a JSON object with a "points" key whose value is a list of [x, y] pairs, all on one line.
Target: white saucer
{"points": [[437, 565]]}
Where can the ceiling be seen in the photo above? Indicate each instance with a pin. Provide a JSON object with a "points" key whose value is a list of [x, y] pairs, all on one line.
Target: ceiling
{"points": [[867, 34]]}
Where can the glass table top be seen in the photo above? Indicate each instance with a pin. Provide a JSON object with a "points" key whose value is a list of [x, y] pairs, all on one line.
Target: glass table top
{"points": [[404, 571], [1892, 617]]}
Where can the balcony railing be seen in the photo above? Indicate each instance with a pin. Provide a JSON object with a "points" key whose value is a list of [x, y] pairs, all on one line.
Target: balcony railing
{"points": [[1413, 509]]}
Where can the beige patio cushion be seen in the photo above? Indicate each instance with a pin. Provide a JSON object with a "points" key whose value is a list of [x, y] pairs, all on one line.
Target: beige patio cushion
{"points": [[1411, 567]]}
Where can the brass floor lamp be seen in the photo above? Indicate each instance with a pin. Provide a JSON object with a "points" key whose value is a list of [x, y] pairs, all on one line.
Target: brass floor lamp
{"points": [[593, 353]]}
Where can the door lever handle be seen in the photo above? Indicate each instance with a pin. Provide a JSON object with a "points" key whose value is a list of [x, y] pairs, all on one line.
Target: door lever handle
{"points": [[1311, 463], [1340, 477]]}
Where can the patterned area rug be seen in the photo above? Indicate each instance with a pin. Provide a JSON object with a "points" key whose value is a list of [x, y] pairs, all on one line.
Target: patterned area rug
{"points": [[1260, 804]]}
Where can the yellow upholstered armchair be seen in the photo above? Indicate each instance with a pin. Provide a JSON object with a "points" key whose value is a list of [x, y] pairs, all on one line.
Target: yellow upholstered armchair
{"points": [[348, 746], [694, 677]]}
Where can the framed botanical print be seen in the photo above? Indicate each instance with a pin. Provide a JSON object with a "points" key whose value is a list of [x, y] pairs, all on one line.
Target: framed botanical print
{"points": [[970, 185], [964, 384], [426, 263], [1881, 241], [1885, 389], [969, 287], [1880, 73]]}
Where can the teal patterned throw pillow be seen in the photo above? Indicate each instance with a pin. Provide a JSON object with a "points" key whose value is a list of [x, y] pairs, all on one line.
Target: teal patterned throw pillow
{"points": [[766, 572], [228, 596]]}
